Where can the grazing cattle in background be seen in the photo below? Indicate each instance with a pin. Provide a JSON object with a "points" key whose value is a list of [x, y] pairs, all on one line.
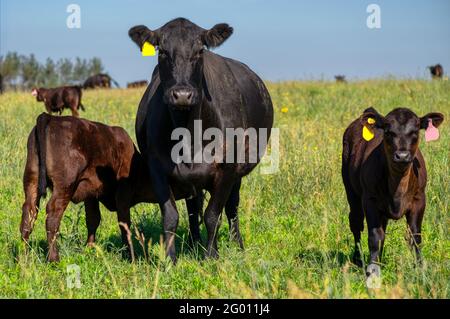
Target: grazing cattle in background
{"points": [[340, 78], [57, 99], [192, 83], [81, 161], [384, 174], [137, 84], [100, 80], [437, 71]]}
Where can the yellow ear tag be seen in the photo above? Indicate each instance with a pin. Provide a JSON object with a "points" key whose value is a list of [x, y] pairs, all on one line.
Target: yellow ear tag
{"points": [[367, 134], [148, 49]]}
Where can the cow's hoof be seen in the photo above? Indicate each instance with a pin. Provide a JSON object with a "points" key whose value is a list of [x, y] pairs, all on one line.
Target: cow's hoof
{"points": [[53, 258], [373, 269], [212, 254]]}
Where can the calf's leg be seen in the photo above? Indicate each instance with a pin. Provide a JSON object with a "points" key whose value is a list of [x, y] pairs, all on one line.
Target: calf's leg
{"points": [[55, 209], [376, 228], [93, 219], [30, 206], [414, 220]]}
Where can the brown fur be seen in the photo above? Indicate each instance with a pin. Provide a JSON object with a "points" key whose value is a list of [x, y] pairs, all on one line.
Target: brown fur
{"points": [[57, 99], [137, 84], [385, 177], [81, 161]]}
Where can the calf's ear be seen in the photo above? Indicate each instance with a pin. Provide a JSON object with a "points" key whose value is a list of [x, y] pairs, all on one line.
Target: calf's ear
{"points": [[217, 35], [371, 118], [436, 118], [141, 34], [34, 92]]}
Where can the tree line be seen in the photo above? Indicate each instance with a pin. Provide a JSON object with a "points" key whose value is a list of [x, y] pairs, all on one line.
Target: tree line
{"points": [[21, 72]]}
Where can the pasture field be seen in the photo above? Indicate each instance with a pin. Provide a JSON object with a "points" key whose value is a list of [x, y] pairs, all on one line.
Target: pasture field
{"points": [[294, 223]]}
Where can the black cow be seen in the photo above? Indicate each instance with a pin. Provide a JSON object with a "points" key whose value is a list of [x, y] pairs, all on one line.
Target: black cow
{"points": [[191, 83], [99, 81], [340, 78], [437, 71], [1, 84]]}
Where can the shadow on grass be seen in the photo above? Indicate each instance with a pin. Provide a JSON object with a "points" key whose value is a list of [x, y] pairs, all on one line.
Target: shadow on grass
{"points": [[152, 232], [315, 256]]}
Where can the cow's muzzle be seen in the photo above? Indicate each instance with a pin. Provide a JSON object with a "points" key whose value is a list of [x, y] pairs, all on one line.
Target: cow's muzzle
{"points": [[182, 97]]}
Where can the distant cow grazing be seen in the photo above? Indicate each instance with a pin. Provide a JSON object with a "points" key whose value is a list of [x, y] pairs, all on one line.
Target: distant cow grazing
{"points": [[57, 99], [437, 71], [100, 80], [384, 174], [340, 78], [83, 161], [137, 84]]}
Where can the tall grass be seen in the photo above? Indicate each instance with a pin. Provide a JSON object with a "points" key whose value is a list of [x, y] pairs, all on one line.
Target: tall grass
{"points": [[294, 223]]}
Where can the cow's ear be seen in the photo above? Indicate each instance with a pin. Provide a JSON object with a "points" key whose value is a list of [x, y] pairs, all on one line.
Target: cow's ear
{"points": [[436, 118], [34, 92], [141, 34], [217, 35], [372, 118]]}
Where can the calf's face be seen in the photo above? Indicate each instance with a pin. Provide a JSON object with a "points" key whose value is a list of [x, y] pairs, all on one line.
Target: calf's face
{"points": [[180, 45], [401, 129], [38, 94]]}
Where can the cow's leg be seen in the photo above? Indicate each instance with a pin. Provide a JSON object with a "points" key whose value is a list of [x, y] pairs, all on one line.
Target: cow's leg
{"points": [[167, 205], [231, 210], [93, 218], [375, 226], [414, 220], [30, 206], [55, 210], [194, 207], [356, 215], [74, 112], [219, 196], [356, 218], [124, 219]]}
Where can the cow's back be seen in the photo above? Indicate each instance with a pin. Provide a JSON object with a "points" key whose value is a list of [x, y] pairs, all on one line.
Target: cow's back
{"points": [[92, 154]]}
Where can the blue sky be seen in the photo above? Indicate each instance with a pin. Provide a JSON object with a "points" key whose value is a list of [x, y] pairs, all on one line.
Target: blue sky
{"points": [[280, 40]]}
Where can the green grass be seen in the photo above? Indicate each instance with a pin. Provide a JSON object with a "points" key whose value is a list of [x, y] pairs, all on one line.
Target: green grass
{"points": [[294, 223]]}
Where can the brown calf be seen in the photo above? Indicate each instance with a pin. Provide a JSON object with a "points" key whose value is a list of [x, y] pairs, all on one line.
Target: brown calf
{"points": [[57, 99], [81, 161], [84, 161], [384, 174]]}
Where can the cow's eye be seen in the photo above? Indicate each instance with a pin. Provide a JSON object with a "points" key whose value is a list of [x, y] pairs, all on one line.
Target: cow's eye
{"points": [[162, 54], [389, 133]]}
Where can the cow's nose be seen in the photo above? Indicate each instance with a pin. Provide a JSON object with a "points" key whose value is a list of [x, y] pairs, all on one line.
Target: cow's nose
{"points": [[182, 96], [402, 156]]}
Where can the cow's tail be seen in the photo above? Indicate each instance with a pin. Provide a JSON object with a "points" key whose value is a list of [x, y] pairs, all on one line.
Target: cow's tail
{"points": [[80, 93], [114, 82], [41, 125]]}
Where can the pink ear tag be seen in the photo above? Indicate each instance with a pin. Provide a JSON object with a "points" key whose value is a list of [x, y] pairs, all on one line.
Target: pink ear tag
{"points": [[431, 133]]}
